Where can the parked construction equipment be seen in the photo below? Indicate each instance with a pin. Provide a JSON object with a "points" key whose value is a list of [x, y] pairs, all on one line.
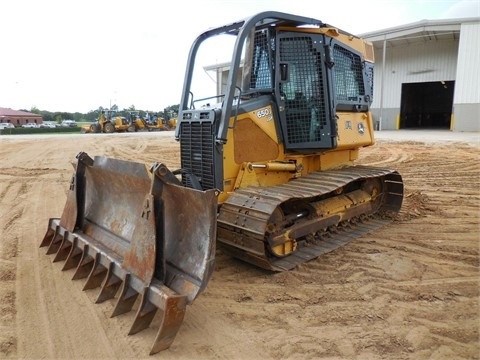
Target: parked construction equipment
{"points": [[153, 123], [267, 173], [108, 122]]}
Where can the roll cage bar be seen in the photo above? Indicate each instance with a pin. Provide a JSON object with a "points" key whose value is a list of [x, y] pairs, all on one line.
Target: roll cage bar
{"points": [[241, 29]]}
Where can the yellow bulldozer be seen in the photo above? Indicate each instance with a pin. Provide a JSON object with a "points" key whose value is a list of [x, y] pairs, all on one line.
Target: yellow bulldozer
{"points": [[267, 174]]}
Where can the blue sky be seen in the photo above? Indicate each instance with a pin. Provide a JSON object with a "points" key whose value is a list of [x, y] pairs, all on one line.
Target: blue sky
{"points": [[72, 55]]}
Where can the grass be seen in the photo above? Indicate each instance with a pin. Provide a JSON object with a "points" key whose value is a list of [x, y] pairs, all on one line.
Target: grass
{"points": [[24, 131]]}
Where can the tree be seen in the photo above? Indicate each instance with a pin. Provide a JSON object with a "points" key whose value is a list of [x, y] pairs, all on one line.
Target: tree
{"points": [[57, 118], [170, 111], [93, 115], [35, 110], [174, 108], [47, 116]]}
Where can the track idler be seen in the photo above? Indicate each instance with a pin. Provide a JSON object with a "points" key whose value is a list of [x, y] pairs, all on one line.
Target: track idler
{"points": [[136, 235]]}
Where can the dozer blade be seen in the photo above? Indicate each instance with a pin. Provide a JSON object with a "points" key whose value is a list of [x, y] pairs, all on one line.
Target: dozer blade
{"points": [[136, 233]]}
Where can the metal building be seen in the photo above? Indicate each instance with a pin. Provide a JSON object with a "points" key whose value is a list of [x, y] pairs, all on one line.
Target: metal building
{"points": [[427, 75]]}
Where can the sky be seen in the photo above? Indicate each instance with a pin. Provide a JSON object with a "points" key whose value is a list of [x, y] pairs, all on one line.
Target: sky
{"points": [[78, 55]]}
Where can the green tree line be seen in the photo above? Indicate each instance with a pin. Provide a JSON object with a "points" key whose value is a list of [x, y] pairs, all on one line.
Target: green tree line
{"points": [[58, 116]]}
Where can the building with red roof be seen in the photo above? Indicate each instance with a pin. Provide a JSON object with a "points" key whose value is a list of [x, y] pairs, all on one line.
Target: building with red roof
{"points": [[19, 118]]}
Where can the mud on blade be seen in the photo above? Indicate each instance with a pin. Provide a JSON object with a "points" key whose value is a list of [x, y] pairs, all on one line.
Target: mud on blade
{"points": [[133, 232]]}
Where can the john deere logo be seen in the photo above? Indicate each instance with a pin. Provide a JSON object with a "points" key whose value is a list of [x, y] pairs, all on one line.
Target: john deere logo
{"points": [[361, 128]]}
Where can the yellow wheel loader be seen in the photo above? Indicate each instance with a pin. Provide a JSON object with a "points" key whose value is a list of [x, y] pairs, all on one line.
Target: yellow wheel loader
{"points": [[167, 124], [155, 123], [267, 173], [109, 123]]}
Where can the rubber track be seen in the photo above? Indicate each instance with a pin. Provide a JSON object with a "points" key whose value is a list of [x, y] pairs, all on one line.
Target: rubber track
{"points": [[243, 218]]}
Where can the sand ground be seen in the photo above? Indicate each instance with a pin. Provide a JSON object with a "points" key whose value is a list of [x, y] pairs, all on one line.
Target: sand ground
{"points": [[407, 291]]}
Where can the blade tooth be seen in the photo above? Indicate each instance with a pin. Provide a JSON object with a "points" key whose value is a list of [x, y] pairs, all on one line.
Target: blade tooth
{"points": [[64, 249], [55, 243], [74, 257], [49, 235], [127, 298], [145, 314], [85, 265], [172, 318], [97, 274], [110, 286]]}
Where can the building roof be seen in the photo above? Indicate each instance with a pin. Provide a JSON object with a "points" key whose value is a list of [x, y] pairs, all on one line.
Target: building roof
{"points": [[9, 112], [419, 32]]}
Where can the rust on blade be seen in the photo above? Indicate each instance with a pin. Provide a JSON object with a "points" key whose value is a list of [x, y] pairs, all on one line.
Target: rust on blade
{"points": [[133, 232], [188, 217], [172, 318], [140, 257]]}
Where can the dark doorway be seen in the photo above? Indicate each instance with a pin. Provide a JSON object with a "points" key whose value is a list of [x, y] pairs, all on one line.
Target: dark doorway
{"points": [[426, 105]]}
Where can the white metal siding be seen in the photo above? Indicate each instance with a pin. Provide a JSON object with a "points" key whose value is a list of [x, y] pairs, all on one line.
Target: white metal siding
{"points": [[421, 62], [467, 87]]}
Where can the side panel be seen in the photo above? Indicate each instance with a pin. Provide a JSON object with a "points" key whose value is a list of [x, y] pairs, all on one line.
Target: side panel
{"points": [[252, 137], [354, 130]]}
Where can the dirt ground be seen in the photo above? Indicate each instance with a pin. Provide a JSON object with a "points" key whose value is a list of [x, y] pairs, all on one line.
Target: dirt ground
{"points": [[408, 291]]}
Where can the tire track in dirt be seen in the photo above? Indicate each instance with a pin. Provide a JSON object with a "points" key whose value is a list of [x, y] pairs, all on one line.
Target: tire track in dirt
{"points": [[34, 305], [449, 255], [52, 309], [126, 149], [28, 173], [428, 248], [406, 291], [149, 148], [55, 305], [66, 313], [139, 147], [389, 156], [354, 287], [9, 193]]}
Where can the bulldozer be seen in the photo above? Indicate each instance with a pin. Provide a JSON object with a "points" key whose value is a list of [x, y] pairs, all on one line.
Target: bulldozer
{"points": [[268, 174]]}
